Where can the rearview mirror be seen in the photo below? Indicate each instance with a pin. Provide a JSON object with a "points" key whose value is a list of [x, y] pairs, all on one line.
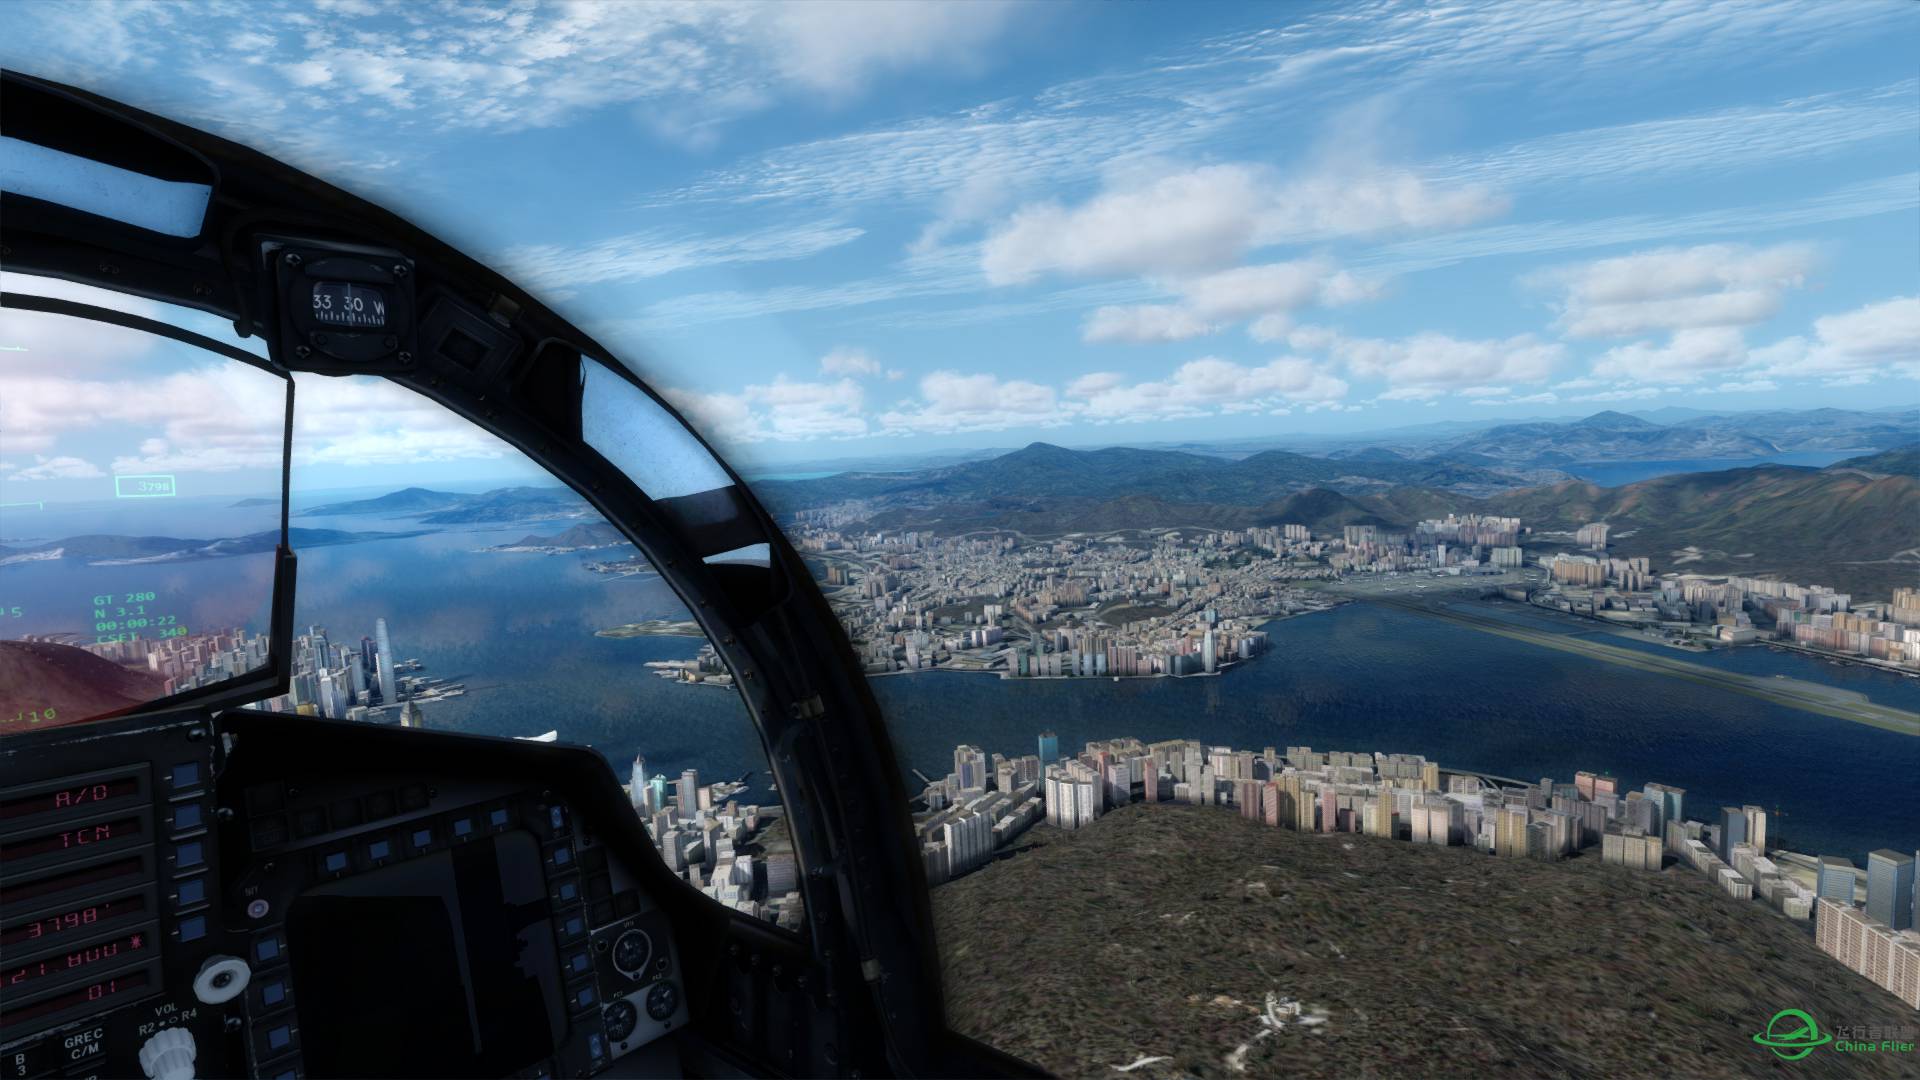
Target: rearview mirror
{"points": [[143, 547]]}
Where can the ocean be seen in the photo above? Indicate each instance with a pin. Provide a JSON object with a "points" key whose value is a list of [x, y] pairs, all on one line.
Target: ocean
{"points": [[517, 629]]}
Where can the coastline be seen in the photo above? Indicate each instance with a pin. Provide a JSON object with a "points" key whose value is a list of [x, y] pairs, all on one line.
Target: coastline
{"points": [[1830, 701]]}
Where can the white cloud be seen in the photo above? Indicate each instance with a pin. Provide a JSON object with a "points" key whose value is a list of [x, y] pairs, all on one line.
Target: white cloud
{"points": [[1687, 356], [1437, 361], [57, 468], [838, 47], [652, 253], [784, 409], [1636, 394], [1206, 218], [1201, 219], [1878, 338], [1710, 285], [1750, 386], [1848, 202], [1718, 141], [952, 402], [1206, 386], [844, 360], [1271, 291], [308, 73], [1142, 323]]}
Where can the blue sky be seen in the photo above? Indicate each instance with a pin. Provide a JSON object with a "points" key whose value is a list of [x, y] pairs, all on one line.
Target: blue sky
{"points": [[830, 230]]}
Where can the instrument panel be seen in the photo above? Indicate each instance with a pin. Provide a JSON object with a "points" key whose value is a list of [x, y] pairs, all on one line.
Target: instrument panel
{"points": [[205, 910]]}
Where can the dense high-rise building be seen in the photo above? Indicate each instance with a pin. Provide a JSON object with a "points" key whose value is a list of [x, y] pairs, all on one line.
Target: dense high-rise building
{"points": [[1756, 827], [389, 686], [1890, 884], [1510, 832], [330, 697], [1733, 830], [1835, 880], [970, 768], [1671, 800], [688, 795]]}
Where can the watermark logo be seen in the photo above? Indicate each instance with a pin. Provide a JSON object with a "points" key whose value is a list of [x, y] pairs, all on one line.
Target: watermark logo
{"points": [[1792, 1035]]}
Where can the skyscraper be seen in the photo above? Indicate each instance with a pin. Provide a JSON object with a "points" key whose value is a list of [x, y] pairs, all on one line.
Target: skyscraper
{"points": [[1890, 888], [637, 784], [689, 793], [970, 768], [1206, 652], [389, 691], [330, 703], [1733, 830], [1671, 799], [1756, 827]]}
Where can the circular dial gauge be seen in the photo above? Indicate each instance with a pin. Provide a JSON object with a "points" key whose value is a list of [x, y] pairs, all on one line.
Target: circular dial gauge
{"points": [[662, 1000], [621, 1019], [631, 951]]}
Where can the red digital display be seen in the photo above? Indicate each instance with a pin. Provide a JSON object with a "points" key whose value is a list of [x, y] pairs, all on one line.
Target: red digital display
{"points": [[73, 839], [72, 879], [79, 918], [121, 948], [85, 995], [78, 797]]}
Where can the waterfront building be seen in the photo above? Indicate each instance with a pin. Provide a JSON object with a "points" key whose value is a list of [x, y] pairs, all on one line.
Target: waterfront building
{"points": [[1835, 879], [970, 768], [688, 794], [1049, 748], [389, 688], [1733, 830], [1890, 886], [1671, 799], [1756, 827]]}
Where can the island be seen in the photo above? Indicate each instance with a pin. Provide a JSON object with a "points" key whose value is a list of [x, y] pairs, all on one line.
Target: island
{"points": [[653, 628]]}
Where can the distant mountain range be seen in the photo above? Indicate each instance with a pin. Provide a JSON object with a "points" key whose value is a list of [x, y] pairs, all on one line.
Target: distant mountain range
{"points": [[1048, 472], [1855, 525], [458, 508], [1617, 437], [115, 550], [1606, 436]]}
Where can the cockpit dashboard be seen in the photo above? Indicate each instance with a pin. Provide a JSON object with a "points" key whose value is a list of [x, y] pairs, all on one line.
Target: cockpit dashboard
{"points": [[250, 893]]}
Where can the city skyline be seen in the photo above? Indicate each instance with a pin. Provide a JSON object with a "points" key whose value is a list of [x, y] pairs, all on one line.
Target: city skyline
{"points": [[972, 224]]}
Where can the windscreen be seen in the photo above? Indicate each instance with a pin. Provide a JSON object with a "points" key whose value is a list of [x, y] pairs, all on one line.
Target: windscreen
{"points": [[140, 510]]}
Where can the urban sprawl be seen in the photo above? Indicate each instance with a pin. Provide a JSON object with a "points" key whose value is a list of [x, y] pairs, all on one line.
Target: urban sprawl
{"points": [[1191, 601]]}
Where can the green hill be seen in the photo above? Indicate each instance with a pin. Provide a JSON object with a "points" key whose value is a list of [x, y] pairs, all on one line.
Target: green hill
{"points": [[1899, 461], [1160, 931]]}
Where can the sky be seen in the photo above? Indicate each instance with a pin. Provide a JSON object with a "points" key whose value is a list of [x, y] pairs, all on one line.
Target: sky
{"points": [[832, 230]]}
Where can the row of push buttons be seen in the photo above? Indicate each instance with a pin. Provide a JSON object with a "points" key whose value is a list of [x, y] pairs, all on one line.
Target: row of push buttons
{"points": [[186, 855], [275, 1033]]}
